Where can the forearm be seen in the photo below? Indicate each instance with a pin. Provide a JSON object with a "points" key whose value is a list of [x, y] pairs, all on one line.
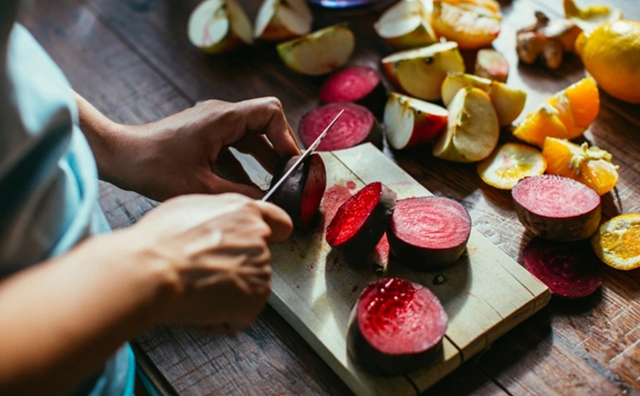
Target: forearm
{"points": [[62, 319]]}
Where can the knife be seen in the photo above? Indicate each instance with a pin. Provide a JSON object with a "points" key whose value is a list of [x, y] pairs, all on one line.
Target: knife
{"points": [[300, 160]]}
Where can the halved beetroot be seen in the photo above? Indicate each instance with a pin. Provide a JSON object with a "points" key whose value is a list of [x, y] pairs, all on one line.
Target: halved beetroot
{"points": [[429, 232], [357, 84], [357, 125], [557, 208], [361, 221], [301, 193], [396, 326], [568, 269]]}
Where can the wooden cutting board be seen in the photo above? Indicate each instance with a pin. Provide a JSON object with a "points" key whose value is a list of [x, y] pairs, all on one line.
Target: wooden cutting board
{"points": [[485, 294]]}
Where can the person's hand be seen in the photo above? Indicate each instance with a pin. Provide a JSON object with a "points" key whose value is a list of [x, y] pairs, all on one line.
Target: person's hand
{"points": [[216, 248], [186, 153]]}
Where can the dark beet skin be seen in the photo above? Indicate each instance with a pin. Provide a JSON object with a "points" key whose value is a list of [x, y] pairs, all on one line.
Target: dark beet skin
{"points": [[429, 233], [396, 326], [569, 270], [557, 208], [361, 221], [358, 84], [301, 193]]}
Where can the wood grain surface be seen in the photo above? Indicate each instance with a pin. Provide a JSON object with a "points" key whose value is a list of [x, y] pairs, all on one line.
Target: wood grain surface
{"points": [[132, 60]]}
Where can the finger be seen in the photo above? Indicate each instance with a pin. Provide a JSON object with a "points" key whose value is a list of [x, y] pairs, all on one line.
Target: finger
{"points": [[218, 185], [260, 149], [279, 221]]}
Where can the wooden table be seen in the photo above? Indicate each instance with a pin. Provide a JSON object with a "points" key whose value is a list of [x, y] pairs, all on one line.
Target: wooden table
{"points": [[132, 60]]}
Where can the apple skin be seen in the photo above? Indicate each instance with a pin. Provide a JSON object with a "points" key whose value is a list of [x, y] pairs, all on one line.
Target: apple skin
{"points": [[231, 42], [421, 36], [276, 31], [426, 126]]}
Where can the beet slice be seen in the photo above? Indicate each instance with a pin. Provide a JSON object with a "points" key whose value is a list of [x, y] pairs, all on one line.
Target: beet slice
{"points": [[429, 233], [356, 126], [361, 221], [301, 193], [568, 269], [357, 84], [557, 208], [396, 326]]}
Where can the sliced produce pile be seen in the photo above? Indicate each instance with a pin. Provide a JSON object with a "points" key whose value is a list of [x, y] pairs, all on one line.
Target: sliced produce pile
{"points": [[511, 163], [396, 326], [492, 65], [617, 242], [557, 208], [568, 270], [428, 233], [411, 122], [357, 125], [358, 84], [471, 23], [407, 24], [280, 20], [217, 26]]}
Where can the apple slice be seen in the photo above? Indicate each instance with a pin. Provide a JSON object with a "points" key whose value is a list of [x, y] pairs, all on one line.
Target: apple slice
{"points": [[472, 24], [420, 72], [280, 20], [320, 52], [411, 122], [508, 102], [492, 65], [406, 25], [472, 128], [217, 26]]}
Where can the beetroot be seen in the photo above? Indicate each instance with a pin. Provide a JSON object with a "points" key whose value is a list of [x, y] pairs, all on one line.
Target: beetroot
{"points": [[360, 222], [557, 208], [356, 126], [568, 269], [301, 193], [358, 84], [396, 326], [429, 232]]}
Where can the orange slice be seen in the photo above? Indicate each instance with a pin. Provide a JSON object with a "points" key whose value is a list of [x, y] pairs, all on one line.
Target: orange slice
{"points": [[617, 242], [509, 164], [565, 115], [471, 23], [588, 165]]}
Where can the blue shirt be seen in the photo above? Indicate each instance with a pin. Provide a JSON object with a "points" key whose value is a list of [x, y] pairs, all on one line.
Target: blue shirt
{"points": [[48, 176]]}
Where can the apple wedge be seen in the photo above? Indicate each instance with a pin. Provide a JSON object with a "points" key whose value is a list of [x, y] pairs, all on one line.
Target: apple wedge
{"points": [[320, 52], [420, 72], [280, 20], [472, 128], [472, 24], [217, 26], [508, 102], [410, 122], [492, 65], [406, 25]]}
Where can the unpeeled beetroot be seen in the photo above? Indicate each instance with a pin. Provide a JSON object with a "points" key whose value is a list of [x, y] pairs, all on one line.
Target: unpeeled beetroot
{"points": [[301, 193], [357, 125], [357, 84], [360, 221], [568, 269], [396, 326], [557, 208], [429, 232]]}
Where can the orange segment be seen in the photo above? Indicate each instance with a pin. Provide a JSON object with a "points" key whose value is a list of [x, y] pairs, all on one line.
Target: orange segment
{"points": [[585, 101], [617, 242], [589, 165], [471, 23], [509, 164], [540, 124]]}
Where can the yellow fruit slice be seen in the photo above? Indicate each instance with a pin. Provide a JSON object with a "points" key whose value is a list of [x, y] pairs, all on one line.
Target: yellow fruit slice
{"points": [[471, 23], [565, 115], [509, 164], [588, 165], [617, 242], [591, 17]]}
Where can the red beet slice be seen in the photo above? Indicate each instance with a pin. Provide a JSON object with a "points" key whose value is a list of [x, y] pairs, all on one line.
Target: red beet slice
{"points": [[396, 326], [568, 269], [557, 208], [301, 193], [429, 232], [356, 126], [361, 221], [358, 84]]}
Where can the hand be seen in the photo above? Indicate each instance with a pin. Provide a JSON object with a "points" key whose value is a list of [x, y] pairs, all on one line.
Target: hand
{"points": [[217, 249]]}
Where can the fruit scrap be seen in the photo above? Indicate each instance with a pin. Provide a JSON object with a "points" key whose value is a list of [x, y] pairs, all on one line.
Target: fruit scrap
{"points": [[568, 269], [511, 163], [471, 23], [429, 233], [591, 17], [217, 26], [556, 207], [279, 20], [406, 25], [588, 165], [565, 115], [546, 39], [356, 126], [357, 84], [411, 122], [492, 65], [617, 242], [320, 52], [395, 327]]}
